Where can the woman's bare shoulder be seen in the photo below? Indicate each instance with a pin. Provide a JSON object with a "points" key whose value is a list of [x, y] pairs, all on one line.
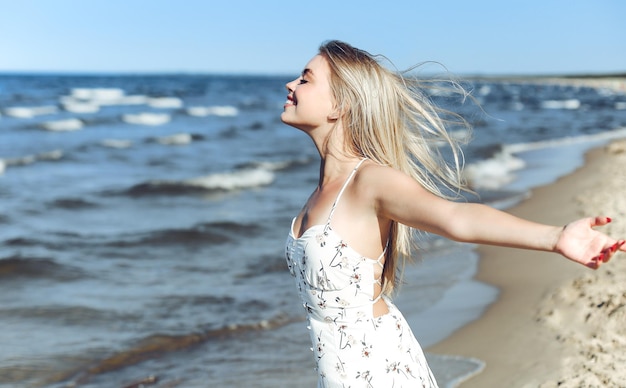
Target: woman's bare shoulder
{"points": [[375, 175], [374, 180]]}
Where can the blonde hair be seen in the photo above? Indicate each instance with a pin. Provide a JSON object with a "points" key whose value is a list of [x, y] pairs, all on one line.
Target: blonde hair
{"points": [[389, 119]]}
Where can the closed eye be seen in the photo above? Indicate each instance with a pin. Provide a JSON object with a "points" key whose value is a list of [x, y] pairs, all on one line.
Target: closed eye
{"points": [[302, 81]]}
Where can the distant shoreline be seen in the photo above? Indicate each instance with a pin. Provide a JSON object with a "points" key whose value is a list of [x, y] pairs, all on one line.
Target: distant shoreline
{"points": [[613, 81], [619, 75]]}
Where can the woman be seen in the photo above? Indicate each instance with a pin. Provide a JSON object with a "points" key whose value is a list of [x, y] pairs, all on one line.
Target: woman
{"points": [[381, 175]]}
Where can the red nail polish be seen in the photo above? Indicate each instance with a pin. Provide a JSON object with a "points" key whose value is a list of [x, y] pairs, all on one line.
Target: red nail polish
{"points": [[608, 219]]}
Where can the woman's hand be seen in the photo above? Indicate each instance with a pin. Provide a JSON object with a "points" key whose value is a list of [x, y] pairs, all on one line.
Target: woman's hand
{"points": [[579, 242]]}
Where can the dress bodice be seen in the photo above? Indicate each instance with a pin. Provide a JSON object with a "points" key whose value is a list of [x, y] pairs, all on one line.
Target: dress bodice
{"points": [[333, 279]]}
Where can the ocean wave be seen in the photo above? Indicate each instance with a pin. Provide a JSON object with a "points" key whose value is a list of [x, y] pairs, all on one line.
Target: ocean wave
{"points": [[499, 170], [30, 159], [178, 139], [52, 241], [165, 102], [202, 111], [116, 143], [71, 204], [86, 100], [561, 104], [281, 165], [147, 118], [18, 267], [200, 234], [66, 315], [493, 173], [156, 345], [27, 112], [74, 106], [264, 265], [73, 124], [219, 182], [102, 94]]}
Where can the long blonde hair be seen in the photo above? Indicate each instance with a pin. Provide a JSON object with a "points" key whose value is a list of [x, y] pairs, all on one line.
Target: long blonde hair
{"points": [[389, 119]]}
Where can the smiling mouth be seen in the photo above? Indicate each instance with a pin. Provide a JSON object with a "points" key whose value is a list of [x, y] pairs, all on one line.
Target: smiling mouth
{"points": [[290, 101]]}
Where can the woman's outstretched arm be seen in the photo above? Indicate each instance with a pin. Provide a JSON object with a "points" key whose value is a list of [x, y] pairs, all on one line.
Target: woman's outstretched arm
{"points": [[400, 198]]}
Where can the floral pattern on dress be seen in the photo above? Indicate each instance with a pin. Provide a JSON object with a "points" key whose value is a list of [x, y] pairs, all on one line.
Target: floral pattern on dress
{"points": [[352, 348]]}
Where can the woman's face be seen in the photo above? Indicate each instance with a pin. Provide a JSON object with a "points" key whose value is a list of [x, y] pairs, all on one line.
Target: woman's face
{"points": [[309, 103]]}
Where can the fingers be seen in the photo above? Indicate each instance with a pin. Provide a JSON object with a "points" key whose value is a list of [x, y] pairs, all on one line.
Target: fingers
{"points": [[601, 220], [606, 254], [611, 250]]}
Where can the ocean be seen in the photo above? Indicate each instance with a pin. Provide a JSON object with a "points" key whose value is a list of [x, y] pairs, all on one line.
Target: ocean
{"points": [[143, 217]]}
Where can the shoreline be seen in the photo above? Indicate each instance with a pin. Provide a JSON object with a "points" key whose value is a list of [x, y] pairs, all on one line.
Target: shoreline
{"points": [[613, 82], [517, 336]]}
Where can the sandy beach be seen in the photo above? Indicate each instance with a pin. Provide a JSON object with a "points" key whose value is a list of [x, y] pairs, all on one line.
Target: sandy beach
{"points": [[555, 323]]}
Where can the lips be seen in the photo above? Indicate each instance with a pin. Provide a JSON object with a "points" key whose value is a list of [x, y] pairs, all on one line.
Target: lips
{"points": [[290, 101]]}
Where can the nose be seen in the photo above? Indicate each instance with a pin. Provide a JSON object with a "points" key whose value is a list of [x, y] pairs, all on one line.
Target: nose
{"points": [[291, 86]]}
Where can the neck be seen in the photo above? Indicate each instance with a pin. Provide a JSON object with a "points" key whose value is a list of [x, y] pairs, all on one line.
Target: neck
{"points": [[336, 162], [334, 169]]}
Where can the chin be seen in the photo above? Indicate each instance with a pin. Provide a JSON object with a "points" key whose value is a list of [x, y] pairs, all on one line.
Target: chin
{"points": [[284, 117]]}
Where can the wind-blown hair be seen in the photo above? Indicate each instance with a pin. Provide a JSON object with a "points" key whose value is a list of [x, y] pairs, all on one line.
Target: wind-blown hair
{"points": [[389, 119]]}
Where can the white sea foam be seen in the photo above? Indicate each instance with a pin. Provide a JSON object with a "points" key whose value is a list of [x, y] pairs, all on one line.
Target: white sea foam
{"points": [[202, 111], [97, 93], [273, 166], [165, 102], [233, 181], [146, 118], [22, 160], [561, 104], [116, 143], [24, 112], [30, 159], [135, 99], [2, 166], [499, 170], [484, 90], [99, 97], [620, 105], [176, 139], [50, 155], [495, 172], [75, 106], [63, 125], [278, 165]]}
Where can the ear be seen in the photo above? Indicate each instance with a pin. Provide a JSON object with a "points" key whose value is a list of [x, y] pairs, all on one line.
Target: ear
{"points": [[336, 113]]}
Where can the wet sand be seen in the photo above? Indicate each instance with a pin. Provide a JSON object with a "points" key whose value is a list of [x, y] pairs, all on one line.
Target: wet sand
{"points": [[555, 323]]}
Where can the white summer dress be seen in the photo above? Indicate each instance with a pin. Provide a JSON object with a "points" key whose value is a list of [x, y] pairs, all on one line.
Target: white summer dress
{"points": [[352, 348]]}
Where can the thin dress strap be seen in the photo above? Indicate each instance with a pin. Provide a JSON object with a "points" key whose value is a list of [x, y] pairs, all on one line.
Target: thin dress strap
{"points": [[332, 209]]}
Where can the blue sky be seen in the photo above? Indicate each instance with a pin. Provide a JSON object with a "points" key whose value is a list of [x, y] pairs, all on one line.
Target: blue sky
{"points": [[278, 37]]}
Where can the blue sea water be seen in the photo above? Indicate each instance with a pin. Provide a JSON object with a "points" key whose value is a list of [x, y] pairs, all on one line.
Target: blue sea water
{"points": [[142, 222]]}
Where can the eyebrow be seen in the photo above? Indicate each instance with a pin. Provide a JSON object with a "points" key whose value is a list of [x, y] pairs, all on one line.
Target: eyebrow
{"points": [[307, 71]]}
